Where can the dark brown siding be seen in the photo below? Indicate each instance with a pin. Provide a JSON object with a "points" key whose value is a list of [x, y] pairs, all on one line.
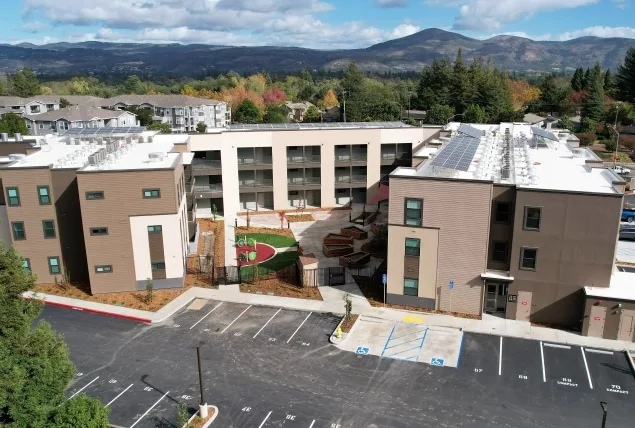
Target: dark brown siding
{"points": [[501, 232], [411, 267], [7, 149]]}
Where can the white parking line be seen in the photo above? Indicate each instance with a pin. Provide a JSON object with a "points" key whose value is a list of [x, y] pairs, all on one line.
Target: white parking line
{"points": [[263, 422], [500, 358], [311, 426], [84, 387], [230, 324], [120, 394], [542, 357], [555, 345], [263, 327], [205, 316], [296, 330], [586, 366], [598, 351], [148, 411]]}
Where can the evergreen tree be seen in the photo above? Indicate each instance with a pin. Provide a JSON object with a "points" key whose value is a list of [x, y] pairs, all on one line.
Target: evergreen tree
{"points": [[247, 112], [550, 95], [25, 83], [475, 114], [626, 78], [274, 114], [439, 114], [312, 114], [353, 86], [64, 103], [81, 411], [12, 123], [577, 81], [609, 83], [434, 85], [586, 80], [460, 87], [594, 101]]}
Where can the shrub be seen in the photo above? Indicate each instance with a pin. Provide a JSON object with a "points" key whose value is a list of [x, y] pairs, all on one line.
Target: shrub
{"points": [[586, 138]]}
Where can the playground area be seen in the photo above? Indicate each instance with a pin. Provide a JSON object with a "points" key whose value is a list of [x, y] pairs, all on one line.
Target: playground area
{"points": [[271, 250]]}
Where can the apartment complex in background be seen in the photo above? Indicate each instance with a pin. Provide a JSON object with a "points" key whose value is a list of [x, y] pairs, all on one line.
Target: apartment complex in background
{"points": [[510, 219], [79, 116], [40, 103], [181, 112]]}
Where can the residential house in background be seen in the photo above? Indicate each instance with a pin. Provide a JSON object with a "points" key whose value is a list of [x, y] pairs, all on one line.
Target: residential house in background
{"points": [[40, 104], [332, 114], [79, 116], [296, 111]]}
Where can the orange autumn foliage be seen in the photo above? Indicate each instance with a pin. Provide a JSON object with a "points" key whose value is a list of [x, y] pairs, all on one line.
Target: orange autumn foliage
{"points": [[523, 93]]}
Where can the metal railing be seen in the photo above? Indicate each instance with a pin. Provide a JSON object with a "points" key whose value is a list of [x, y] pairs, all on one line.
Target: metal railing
{"points": [[394, 156], [304, 159], [265, 160], [260, 182], [299, 181], [355, 157], [191, 216], [216, 187], [350, 179], [206, 163]]}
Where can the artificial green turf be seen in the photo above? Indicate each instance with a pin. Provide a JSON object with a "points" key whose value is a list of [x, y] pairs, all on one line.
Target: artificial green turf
{"points": [[278, 262], [276, 241]]}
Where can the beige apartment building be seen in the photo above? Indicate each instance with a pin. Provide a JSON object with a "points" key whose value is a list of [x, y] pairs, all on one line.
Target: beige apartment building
{"points": [[507, 219]]}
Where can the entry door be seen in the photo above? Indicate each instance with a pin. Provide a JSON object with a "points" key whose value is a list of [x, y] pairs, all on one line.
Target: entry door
{"points": [[626, 327], [523, 308], [490, 298], [596, 323]]}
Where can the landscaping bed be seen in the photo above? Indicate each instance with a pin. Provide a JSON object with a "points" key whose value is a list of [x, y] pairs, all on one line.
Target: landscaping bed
{"points": [[337, 239], [354, 232], [348, 323], [277, 263], [355, 260], [265, 231], [272, 239], [337, 250], [198, 422], [276, 287], [298, 218]]}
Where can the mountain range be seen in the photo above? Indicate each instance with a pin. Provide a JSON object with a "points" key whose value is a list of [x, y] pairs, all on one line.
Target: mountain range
{"points": [[408, 53]]}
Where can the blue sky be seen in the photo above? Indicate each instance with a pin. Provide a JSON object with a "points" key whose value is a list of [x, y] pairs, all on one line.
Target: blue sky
{"points": [[323, 24]]}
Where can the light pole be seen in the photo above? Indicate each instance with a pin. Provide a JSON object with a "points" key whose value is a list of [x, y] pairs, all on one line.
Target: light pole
{"points": [[203, 404], [617, 141], [604, 411], [410, 94], [344, 100]]}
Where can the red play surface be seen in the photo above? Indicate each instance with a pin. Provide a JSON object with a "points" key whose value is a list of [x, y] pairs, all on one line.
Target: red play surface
{"points": [[264, 253]]}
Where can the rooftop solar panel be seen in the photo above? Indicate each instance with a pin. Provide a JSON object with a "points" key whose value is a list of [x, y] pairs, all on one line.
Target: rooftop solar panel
{"points": [[319, 125], [106, 130], [457, 154], [544, 134], [471, 131]]}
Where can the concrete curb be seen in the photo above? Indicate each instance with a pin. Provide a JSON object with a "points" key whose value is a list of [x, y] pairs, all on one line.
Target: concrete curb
{"points": [[333, 338], [630, 361], [206, 424]]}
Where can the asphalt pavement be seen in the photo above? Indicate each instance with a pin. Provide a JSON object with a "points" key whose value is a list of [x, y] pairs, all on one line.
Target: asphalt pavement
{"points": [[270, 367]]}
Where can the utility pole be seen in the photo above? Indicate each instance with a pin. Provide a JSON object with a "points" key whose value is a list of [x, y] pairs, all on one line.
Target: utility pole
{"points": [[617, 138], [344, 99], [203, 404]]}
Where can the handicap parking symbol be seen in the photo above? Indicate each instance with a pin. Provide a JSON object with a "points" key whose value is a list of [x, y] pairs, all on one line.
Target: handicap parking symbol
{"points": [[362, 350], [436, 361]]}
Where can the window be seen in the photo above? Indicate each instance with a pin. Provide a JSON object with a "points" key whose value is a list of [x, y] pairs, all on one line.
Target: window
{"points": [[41, 125], [26, 264], [158, 266], [502, 212], [54, 265], [156, 228], [414, 212], [49, 229], [94, 195], [43, 194], [18, 231], [295, 192], [528, 258], [410, 287], [532, 218], [500, 252], [151, 193], [103, 269], [98, 231], [413, 246], [13, 196]]}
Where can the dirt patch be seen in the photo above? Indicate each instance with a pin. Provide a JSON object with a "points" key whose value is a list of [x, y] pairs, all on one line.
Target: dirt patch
{"points": [[282, 232], [218, 228], [379, 304], [198, 422], [277, 287], [326, 210], [298, 218], [348, 323]]}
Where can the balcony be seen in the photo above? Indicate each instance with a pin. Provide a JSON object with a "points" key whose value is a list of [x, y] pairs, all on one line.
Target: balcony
{"points": [[206, 167], [391, 158], [191, 216], [350, 179], [265, 160], [355, 157], [214, 190], [304, 181], [304, 159], [259, 182]]}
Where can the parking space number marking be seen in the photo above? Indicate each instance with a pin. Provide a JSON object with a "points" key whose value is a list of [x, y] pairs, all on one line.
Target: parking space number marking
{"points": [[272, 339], [246, 409], [237, 334], [524, 377], [478, 370], [80, 374], [305, 344], [112, 381], [617, 389], [291, 417], [186, 397], [336, 426], [147, 388], [566, 382]]}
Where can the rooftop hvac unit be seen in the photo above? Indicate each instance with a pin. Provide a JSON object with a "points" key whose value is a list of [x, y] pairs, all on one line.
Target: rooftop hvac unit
{"points": [[155, 156], [92, 160], [17, 136], [17, 157], [141, 139], [4, 137], [150, 138]]}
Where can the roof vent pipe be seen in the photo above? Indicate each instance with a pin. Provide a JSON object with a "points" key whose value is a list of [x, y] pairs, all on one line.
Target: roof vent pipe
{"points": [[4, 137], [18, 136]]}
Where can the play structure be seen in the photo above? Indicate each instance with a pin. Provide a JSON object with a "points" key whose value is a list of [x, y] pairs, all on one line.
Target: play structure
{"points": [[249, 252]]}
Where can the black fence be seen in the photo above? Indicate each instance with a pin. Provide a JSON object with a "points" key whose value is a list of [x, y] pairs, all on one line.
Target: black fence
{"points": [[254, 275]]}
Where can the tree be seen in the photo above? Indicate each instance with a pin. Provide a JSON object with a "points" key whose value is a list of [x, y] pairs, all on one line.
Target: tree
{"points": [[626, 78], [275, 114], [609, 84], [523, 93], [163, 128], [475, 114], [133, 85], [312, 114], [25, 83], [274, 96], [201, 127], [330, 99], [247, 112], [551, 97], [149, 290], [460, 86], [439, 114], [577, 81], [594, 102], [64, 103], [434, 85], [586, 79], [144, 115], [80, 411], [12, 123]]}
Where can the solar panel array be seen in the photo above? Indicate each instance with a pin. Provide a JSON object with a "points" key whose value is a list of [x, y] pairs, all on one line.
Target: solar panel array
{"points": [[544, 134], [321, 125], [104, 130], [471, 131], [458, 154]]}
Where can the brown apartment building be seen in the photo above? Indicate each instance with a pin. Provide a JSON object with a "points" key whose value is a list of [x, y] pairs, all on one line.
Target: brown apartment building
{"points": [[508, 219]]}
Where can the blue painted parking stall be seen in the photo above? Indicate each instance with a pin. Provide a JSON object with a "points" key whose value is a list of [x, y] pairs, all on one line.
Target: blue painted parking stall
{"points": [[405, 341]]}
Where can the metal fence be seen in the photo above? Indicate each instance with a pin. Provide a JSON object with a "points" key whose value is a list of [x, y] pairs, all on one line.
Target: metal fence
{"points": [[254, 275]]}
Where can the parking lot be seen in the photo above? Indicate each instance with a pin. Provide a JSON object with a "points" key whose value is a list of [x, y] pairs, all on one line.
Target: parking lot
{"points": [[271, 367]]}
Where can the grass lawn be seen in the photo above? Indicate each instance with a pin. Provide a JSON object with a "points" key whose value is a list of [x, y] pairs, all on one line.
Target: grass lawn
{"points": [[276, 241], [278, 262]]}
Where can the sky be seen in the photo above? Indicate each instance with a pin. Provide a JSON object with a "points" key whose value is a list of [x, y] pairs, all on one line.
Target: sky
{"points": [[319, 24]]}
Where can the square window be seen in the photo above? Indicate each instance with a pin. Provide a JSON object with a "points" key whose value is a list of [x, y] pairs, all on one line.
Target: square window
{"points": [[13, 196], [49, 229], [43, 194], [413, 246], [98, 231], [503, 211], [156, 228], [26, 264], [103, 269], [499, 253], [532, 218], [158, 266], [528, 258], [54, 265], [94, 195], [413, 212], [151, 193], [18, 231], [410, 287]]}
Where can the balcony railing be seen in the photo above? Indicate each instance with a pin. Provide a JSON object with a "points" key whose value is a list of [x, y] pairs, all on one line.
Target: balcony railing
{"points": [[205, 163], [355, 157], [265, 160], [204, 188], [191, 216], [350, 179], [260, 182], [304, 159], [299, 181], [393, 156]]}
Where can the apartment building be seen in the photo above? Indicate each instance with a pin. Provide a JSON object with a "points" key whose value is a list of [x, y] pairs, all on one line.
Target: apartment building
{"points": [[79, 116], [40, 103], [109, 210], [181, 112], [506, 219]]}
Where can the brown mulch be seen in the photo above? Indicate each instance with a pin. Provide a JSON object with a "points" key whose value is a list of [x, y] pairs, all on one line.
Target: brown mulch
{"points": [[277, 287], [348, 324], [378, 303], [198, 422], [218, 227], [298, 218], [282, 232]]}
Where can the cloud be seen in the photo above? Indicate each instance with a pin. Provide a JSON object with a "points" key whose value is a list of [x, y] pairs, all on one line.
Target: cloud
{"points": [[391, 3], [34, 27], [491, 15], [620, 4], [626, 32]]}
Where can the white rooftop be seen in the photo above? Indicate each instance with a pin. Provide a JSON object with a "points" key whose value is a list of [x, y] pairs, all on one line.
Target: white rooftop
{"points": [[621, 287], [533, 162], [425, 152]]}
